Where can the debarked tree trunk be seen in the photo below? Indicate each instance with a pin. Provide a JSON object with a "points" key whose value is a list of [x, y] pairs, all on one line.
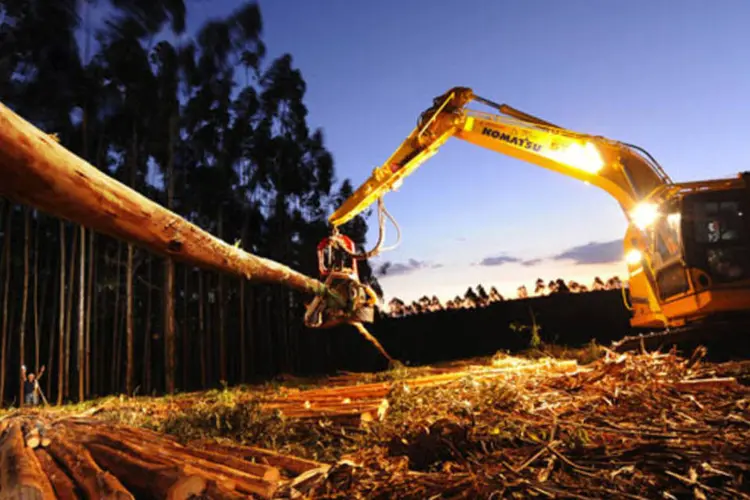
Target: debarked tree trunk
{"points": [[38, 172]]}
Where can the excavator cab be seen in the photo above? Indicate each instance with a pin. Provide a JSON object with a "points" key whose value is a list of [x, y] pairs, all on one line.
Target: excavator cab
{"points": [[699, 256], [337, 265]]}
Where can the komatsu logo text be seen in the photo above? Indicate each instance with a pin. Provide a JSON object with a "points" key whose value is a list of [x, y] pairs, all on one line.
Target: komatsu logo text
{"points": [[510, 139]]}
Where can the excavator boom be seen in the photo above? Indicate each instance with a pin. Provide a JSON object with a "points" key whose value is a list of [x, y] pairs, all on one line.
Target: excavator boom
{"points": [[618, 168]]}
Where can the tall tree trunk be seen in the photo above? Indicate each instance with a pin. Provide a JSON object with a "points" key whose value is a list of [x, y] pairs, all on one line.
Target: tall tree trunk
{"points": [[250, 334], [169, 320], [35, 298], [202, 330], [185, 330], [81, 316], [8, 230], [221, 311], [46, 291], [147, 335], [61, 336], [271, 334], [243, 339], [24, 299], [98, 344], [69, 308], [129, 322], [169, 327], [54, 292], [115, 321], [89, 300], [209, 346], [119, 380], [243, 310], [129, 382]]}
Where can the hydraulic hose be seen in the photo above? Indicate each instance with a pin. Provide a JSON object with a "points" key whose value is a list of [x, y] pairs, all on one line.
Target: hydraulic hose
{"points": [[382, 214]]}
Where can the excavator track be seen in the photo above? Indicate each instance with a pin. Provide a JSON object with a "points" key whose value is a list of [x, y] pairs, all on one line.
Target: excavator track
{"points": [[728, 338]]}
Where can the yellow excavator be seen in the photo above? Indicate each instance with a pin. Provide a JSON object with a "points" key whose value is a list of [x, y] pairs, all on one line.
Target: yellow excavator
{"points": [[687, 245]]}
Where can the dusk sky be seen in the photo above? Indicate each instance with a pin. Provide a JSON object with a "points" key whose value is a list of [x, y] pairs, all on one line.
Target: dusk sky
{"points": [[670, 76]]}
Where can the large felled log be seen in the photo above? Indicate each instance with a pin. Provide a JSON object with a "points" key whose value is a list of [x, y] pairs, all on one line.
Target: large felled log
{"points": [[80, 465], [21, 477], [170, 482], [64, 487], [141, 437], [37, 171], [292, 464], [228, 476]]}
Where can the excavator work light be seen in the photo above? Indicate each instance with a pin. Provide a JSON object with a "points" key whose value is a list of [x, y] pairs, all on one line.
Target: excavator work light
{"points": [[583, 157], [644, 214], [633, 257]]}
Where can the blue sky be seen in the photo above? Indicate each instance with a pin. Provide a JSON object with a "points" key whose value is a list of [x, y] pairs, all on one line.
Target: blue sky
{"points": [[672, 77]]}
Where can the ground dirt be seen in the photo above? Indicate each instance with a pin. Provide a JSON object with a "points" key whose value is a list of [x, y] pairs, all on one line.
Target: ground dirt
{"points": [[557, 423]]}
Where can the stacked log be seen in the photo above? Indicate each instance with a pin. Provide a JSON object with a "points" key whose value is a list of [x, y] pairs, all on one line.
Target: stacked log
{"points": [[80, 457]]}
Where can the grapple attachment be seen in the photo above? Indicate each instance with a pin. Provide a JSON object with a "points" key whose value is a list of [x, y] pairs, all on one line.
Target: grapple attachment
{"points": [[353, 300]]}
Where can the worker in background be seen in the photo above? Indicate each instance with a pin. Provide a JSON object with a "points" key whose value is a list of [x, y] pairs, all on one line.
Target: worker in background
{"points": [[31, 386]]}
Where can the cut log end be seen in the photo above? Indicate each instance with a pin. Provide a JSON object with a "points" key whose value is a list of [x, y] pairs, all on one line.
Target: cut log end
{"points": [[216, 491], [22, 475], [186, 487], [33, 441]]}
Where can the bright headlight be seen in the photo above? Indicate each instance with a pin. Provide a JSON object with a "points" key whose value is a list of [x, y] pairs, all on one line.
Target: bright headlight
{"points": [[633, 257], [584, 157], [644, 214]]}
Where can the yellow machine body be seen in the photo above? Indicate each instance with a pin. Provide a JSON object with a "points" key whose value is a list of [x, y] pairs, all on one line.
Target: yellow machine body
{"points": [[687, 245]]}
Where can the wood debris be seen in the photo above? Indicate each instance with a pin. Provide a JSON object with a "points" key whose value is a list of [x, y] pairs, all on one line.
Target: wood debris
{"points": [[639, 426], [648, 425]]}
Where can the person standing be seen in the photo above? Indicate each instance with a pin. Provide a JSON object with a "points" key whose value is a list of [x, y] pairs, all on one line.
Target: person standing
{"points": [[31, 386]]}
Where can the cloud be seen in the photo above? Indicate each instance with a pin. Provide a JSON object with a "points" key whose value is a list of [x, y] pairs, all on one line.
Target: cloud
{"points": [[401, 268], [499, 260], [594, 253], [507, 259]]}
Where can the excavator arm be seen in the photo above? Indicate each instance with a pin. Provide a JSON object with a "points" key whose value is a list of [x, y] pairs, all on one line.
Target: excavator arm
{"points": [[625, 172]]}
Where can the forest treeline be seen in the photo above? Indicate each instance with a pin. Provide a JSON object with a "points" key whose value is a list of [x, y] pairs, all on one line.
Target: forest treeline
{"points": [[204, 124], [479, 297]]}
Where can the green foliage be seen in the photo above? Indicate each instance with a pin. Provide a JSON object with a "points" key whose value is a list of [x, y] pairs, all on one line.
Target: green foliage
{"points": [[535, 339]]}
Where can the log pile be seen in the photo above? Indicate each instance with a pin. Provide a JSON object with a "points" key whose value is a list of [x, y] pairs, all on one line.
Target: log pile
{"points": [[69, 458]]}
